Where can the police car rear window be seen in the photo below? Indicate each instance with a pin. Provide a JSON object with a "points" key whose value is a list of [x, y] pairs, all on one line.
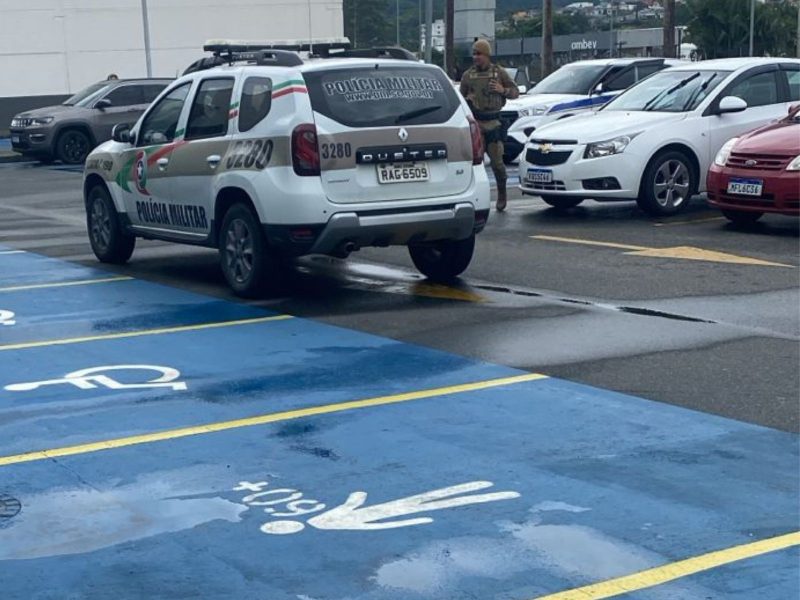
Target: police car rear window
{"points": [[383, 96]]}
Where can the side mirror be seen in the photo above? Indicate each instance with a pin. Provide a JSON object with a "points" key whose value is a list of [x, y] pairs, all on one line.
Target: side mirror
{"points": [[522, 89], [122, 133], [731, 104], [598, 89]]}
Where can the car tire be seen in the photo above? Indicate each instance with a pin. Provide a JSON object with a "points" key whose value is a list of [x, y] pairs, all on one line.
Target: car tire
{"points": [[73, 146], [444, 260], [562, 203], [668, 183], [742, 217], [247, 263], [108, 238]]}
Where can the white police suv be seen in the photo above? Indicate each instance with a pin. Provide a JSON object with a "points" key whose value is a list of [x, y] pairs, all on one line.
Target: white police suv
{"points": [[264, 155]]}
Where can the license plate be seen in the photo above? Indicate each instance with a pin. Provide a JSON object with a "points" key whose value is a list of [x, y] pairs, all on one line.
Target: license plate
{"points": [[403, 172], [539, 176], [745, 187], [15, 139]]}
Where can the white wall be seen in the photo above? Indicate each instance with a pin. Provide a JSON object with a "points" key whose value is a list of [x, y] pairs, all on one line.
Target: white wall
{"points": [[60, 46]]}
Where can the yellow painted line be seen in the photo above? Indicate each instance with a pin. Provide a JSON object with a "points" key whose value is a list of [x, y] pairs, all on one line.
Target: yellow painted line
{"points": [[141, 333], [171, 434], [692, 253], [566, 240], [444, 292], [677, 570], [55, 284], [689, 222], [679, 252]]}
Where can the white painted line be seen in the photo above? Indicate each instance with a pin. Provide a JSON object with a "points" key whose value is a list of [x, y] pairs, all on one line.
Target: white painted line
{"points": [[6, 252]]}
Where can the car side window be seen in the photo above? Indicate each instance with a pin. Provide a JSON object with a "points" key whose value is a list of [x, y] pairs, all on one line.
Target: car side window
{"points": [[152, 90], [643, 71], [620, 81], [758, 90], [161, 122], [255, 103], [794, 85], [210, 109], [126, 95]]}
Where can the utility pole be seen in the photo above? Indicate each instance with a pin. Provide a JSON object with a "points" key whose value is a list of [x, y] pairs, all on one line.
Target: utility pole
{"points": [[146, 27], [449, 49], [355, 23], [752, 25], [669, 29], [397, 21], [798, 30], [428, 29], [547, 38], [611, 31], [310, 31]]}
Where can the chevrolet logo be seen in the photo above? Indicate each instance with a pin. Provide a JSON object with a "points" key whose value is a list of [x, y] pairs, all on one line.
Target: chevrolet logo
{"points": [[545, 148]]}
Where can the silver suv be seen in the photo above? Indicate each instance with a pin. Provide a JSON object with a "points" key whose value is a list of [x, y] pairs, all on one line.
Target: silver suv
{"points": [[69, 131]]}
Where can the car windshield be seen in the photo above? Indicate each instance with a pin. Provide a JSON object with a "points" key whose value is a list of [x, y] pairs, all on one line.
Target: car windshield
{"points": [[669, 91], [86, 94], [570, 79]]}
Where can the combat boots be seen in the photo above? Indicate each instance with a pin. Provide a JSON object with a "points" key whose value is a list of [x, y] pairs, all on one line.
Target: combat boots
{"points": [[501, 195]]}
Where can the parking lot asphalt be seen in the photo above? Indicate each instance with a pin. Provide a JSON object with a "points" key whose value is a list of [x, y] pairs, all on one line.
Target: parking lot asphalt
{"points": [[606, 406]]}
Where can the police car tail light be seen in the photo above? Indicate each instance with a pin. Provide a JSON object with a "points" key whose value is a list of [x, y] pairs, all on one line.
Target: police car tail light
{"points": [[477, 142], [305, 151]]}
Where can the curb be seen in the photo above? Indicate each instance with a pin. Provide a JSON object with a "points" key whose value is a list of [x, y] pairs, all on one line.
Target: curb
{"points": [[10, 157]]}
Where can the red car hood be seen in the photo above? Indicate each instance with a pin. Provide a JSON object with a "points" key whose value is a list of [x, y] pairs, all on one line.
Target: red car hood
{"points": [[777, 138]]}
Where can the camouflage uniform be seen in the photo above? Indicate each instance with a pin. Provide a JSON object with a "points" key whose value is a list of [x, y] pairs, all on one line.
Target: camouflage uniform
{"points": [[486, 106]]}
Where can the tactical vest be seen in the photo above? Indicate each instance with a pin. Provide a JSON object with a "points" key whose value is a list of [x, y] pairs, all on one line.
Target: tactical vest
{"points": [[485, 100]]}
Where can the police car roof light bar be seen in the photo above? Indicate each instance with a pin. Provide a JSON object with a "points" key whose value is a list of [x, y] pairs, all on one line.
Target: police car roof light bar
{"points": [[379, 52]]}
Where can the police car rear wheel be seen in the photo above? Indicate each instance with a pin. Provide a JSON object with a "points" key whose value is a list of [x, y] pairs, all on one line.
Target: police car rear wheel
{"points": [[244, 255], [110, 242], [445, 260]]}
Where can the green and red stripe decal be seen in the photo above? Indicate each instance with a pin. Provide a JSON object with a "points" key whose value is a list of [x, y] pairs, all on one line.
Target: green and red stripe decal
{"points": [[292, 86]]}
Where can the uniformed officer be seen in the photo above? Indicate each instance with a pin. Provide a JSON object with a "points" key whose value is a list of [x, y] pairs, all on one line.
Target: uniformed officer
{"points": [[486, 87]]}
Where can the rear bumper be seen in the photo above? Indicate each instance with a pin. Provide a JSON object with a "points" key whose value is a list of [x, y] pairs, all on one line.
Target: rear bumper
{"points": [[780, 194], [346, 232]]}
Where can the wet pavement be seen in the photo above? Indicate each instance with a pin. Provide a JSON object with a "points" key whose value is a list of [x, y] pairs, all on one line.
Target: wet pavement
{"points": [[373, 435]]}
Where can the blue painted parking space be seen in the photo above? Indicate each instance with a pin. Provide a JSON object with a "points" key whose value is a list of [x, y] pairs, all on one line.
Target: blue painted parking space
{"points": [[284, 458], [19, 268]]}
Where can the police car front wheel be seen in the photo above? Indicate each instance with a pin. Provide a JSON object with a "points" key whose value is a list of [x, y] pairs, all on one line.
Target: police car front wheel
{"points": [[444, 260], [244, 256], [110, 242]]}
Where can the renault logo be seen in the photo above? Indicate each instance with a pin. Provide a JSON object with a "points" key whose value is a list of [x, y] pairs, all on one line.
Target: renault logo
{"points": [[402, 134]]}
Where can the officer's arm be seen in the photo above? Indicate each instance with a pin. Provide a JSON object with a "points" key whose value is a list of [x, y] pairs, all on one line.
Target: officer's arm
{"points": [[510, 89], [464, 87]]}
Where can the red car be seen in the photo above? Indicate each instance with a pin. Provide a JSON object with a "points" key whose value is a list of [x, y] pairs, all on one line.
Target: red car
{"points": [[759, 172]]}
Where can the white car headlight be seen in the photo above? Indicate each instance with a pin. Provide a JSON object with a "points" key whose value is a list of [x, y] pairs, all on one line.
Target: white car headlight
{"points": [[795, 164], [37, 121], [525, 112], [540, 110], [725, 152], [608, 147]]}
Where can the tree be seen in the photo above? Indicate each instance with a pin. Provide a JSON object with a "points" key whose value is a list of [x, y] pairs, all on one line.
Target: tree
{"points": [[721, 28], [366, 23]]}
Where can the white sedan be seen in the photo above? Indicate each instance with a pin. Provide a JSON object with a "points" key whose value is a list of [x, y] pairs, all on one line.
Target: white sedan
{"points": [[655, 142]]}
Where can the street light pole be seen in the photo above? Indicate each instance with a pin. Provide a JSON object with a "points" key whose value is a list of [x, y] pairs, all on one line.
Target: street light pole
{"points": [[146, 27], [752, 24], [611, 31], [397, 19], [428, 29]]}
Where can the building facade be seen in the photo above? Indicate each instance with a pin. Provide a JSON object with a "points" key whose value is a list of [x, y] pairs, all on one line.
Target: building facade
{"points": [[53, 48]]}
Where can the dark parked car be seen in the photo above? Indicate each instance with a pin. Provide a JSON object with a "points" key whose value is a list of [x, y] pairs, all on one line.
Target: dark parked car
{"points": [[759, 172], [69, 131]]}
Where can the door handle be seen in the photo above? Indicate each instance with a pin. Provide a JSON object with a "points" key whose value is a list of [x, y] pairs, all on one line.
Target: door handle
{"points": [[162, 163], [214, 160]]}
